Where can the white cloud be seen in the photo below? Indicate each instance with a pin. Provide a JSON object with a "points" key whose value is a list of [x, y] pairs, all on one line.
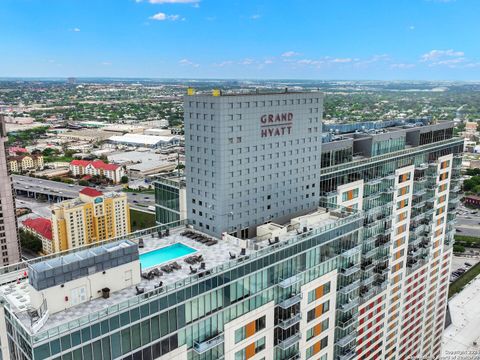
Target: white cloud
{"points": [[434, 55], [342, 60], [246, 61], [223, 63], [106, 63], [411, 28], [290, 54], [268, 61], [402, 66], [76, 29], [162, 17], [255, 16], [186, 62]]}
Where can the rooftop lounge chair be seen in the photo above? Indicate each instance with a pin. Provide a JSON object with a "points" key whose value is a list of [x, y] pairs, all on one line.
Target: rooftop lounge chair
{"points": [[139, 290], [193, 270], [175, 265]]}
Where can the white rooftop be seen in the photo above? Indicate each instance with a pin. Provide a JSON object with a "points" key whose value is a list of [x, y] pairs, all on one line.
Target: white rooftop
{"points": [[465, 327], [142, 139]]}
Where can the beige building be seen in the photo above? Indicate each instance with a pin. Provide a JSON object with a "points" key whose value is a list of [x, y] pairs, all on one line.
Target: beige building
{"points": [[92, 217], [25, 162], [9, 244]]}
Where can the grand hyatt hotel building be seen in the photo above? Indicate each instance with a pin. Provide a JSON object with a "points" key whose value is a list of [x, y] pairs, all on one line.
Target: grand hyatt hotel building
{"points": [[358, 269]]}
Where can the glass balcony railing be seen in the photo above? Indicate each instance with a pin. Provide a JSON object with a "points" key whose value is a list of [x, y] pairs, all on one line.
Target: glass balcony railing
{"points": [[289, 281], [347, 339], [349, 306], [346, 321], [285, 324], [289, 342], [292, 300], [349, 288], [204, 346], [348, 355], [349, 270]]}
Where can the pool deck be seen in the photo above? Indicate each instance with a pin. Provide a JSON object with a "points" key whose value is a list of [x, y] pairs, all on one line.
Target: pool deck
{"points": [[212, 255], [215, 255]]}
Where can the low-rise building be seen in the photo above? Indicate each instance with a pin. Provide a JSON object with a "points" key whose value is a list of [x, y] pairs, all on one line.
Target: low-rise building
{"points": [[97, 167], [150, 141], [42, 228], [22, 163], [472, 200], [93, 216]]}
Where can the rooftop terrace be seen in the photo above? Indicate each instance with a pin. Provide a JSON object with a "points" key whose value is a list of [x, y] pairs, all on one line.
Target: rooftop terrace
{"points": [[226, 253]]}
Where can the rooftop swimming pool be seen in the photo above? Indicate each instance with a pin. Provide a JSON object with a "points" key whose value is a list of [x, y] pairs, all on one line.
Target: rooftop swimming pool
{"points": [[164, 254]]}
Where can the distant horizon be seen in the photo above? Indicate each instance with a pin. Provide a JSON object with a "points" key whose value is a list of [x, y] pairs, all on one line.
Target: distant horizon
{"points": [[54, 78]]}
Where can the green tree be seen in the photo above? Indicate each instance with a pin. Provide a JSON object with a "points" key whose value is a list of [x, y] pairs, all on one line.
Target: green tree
{"points": [[30, 241], [124, 179]]}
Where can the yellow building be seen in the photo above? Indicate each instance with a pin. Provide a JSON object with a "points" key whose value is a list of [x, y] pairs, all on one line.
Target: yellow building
{"points": [[93, 216], [25, 162]]}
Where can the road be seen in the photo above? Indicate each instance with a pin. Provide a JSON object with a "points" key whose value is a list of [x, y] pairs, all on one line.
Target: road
{"points": [[59, 191], [468, 223]]}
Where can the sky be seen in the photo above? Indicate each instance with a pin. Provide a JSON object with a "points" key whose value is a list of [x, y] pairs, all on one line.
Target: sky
{"points": [[246, 39]]}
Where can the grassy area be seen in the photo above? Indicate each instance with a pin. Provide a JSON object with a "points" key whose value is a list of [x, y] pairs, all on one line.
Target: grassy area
{"points": [[468, 241], [463, 280], [141, 220], [143, 191]]}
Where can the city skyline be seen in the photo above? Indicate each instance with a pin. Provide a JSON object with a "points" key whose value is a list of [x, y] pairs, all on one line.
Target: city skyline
{"points": [[412, 40]]}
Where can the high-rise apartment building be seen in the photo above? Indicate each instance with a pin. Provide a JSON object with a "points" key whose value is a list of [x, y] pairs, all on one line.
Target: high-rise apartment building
{"points": [[9, 244], [92, 217], [363, 275], [251, 158]]}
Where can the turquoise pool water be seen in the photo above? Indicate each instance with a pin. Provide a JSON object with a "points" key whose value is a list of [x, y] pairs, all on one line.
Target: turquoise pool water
{"points": [[164, 254]]}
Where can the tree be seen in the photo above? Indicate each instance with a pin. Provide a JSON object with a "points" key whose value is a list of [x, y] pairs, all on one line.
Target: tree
{"points": [[30, 241], [83, 183], [124, 179], [458, 248]]}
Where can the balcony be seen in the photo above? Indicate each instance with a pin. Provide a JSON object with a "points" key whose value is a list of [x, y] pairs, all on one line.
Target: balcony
{"points": [[289, 302], [367, 265], [347, 339], [349, 288], [350, 252], [289, 342], [348, 355], [346, 321], [349, 270], [381, 270], [289, 281], [285, 324], [349, 306], [201, 347]]}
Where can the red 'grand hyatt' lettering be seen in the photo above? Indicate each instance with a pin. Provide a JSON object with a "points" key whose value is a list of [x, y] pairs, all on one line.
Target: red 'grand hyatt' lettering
{"points": [[271, 118], [276, 124], [276, 131]]}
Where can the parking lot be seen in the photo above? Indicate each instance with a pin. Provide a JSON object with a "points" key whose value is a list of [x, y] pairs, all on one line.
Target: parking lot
{"points": [[458, 262]]}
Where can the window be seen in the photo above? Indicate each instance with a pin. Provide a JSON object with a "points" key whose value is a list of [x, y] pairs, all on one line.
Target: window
{"points": [[318, 292]]}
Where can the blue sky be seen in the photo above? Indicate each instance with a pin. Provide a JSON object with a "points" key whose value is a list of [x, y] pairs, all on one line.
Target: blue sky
{"points": [[269, 39]]}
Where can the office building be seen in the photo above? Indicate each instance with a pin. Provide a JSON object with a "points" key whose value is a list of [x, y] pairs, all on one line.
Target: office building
{"points": [[364, 275], [9, 244], [92, 217], [251, 158]]}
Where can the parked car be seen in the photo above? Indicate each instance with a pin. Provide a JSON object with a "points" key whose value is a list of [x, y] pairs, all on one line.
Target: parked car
{"points": [[461, 270], [467, 263]]}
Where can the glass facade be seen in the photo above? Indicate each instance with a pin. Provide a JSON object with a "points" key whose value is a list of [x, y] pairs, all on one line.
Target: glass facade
{"points": [[167, 202], [195, 314]]}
